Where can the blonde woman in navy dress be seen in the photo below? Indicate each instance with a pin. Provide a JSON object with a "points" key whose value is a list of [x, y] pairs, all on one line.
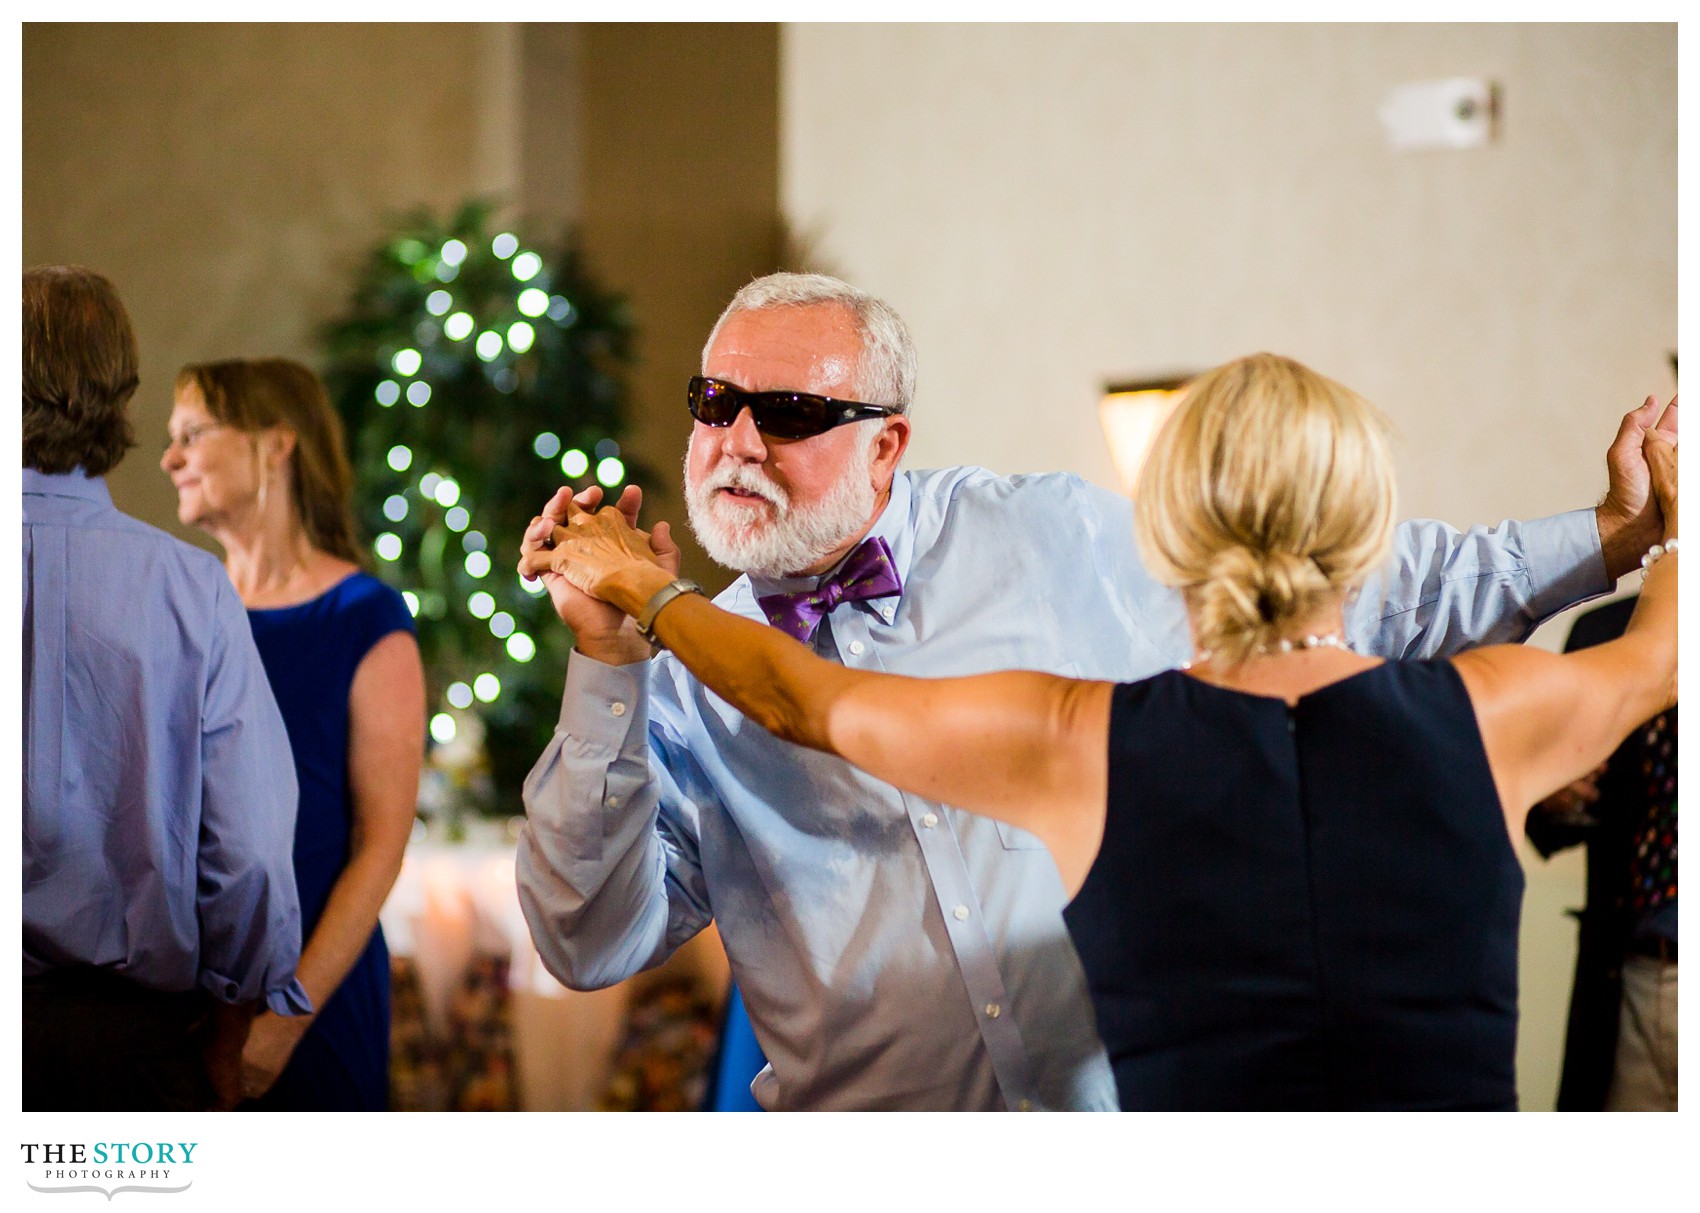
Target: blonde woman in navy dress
{"points": [[256, 455], [1292, 867]]}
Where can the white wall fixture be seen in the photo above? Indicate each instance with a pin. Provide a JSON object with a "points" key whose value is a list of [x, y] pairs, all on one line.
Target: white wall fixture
{"points": [[1453, 113]]}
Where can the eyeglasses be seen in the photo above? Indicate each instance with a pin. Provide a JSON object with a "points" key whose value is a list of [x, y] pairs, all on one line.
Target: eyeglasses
{"points": [[191, 435], [777, 414]]}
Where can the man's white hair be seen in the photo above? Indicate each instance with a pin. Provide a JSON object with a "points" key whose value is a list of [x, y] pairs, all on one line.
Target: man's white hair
{"points": [[885, 372]]}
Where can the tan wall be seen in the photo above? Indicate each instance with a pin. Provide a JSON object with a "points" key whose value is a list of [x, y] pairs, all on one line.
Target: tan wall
{"points": [[681, 209], [1051, 207], [226, 177]]}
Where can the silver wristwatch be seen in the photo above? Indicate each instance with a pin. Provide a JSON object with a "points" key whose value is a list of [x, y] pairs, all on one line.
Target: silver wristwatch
{"points": [[652, 608]]}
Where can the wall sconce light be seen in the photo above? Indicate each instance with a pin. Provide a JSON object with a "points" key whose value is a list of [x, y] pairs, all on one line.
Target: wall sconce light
{"points": [[1131, 414]]}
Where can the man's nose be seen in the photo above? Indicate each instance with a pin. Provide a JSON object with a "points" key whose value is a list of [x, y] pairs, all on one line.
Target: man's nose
{"points": [[172, 458], [742, 440]]}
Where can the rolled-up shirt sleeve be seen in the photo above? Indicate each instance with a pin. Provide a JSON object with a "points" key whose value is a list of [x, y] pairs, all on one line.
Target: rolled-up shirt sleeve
{"points": [[607, 868], [1446, 590], [250, 914]]}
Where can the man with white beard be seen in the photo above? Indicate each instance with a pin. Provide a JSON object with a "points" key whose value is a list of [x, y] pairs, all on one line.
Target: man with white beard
{"points": [[893, 952]]}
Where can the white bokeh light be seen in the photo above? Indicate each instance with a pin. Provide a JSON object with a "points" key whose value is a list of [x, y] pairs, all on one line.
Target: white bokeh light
{"points": [[526, 265], [521, 647]]}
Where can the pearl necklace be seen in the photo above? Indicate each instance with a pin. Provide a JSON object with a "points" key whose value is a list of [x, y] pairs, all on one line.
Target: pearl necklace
{"points": [[1329, 640]]}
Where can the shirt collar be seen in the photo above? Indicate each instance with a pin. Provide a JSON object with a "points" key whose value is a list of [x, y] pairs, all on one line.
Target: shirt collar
{"points": [[75, 483], [894, 525]]}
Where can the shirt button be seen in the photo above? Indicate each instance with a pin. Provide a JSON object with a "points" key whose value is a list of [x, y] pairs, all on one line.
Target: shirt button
{"points": [[856, 647], [612, 802], [993, 1010], [961, 913], [1025, 1105], [930, 820], [619, 709]]}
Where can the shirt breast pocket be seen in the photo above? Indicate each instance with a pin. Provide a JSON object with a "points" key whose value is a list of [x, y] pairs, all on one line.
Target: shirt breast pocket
{"points": [[1014, 837]]}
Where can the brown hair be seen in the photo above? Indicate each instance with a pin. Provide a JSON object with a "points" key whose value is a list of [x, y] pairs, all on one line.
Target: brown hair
{"points": [[252, 394], [1268, 490], [79, 371]]}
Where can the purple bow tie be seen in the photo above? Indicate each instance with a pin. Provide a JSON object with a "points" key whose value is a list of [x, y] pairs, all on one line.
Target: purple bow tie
{"points": [[868, 572]]}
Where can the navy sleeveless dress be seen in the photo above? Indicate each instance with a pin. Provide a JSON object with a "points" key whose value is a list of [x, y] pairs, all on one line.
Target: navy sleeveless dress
{"points": [[1312, 907], [310, 653]]}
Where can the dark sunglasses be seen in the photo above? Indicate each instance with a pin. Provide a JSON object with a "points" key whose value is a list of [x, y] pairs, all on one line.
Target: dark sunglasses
{"points": [[777, 414]]}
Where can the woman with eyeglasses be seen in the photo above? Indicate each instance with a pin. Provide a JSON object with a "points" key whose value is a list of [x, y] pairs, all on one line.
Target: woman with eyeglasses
{"points": [[1292, 867], [256, 455]]}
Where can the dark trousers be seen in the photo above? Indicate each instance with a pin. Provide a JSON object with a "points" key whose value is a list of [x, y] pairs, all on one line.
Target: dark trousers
{"points": [[95, 1042]]}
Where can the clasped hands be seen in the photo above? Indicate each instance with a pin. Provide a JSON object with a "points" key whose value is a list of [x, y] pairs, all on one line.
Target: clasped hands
{"points": [[600, 553]]}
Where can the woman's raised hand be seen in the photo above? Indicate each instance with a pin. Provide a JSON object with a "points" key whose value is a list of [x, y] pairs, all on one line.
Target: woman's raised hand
{"points": [[1660, 450]]}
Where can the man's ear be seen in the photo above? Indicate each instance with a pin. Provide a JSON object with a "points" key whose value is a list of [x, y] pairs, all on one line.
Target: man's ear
{"points": [[889, 448]]}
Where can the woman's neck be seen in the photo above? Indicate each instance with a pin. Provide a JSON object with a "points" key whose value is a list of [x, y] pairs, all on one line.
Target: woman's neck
{"points": [[1317, 655], [271, 562]]}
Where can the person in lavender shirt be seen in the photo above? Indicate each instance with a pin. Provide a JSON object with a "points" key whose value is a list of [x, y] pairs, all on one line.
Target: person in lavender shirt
{"points": [[159, 907], [892, 951]]}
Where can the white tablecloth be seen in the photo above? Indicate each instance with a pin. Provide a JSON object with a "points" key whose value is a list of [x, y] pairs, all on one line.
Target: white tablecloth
{"points": [[456, 900]]}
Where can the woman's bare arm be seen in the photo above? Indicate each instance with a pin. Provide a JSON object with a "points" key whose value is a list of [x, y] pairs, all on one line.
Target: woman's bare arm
{"points": [[1546, 719]]}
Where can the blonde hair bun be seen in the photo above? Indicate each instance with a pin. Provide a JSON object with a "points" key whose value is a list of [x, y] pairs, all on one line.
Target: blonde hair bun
{"points": [[1268, 491]]}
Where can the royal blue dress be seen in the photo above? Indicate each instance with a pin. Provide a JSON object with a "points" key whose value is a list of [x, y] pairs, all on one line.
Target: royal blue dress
{"points": [[311, 652], [1309, 907]]}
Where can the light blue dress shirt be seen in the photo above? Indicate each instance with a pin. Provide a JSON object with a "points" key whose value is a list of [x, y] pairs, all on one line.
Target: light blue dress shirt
{"points": [[895, 952], [159, 791]]}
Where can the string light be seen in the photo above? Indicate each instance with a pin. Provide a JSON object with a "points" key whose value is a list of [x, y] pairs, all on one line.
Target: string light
{"points": [[400, 458], [458, 326], [387, 546], [575, 463], [388, 392], [442, 728], [521, 647]]}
